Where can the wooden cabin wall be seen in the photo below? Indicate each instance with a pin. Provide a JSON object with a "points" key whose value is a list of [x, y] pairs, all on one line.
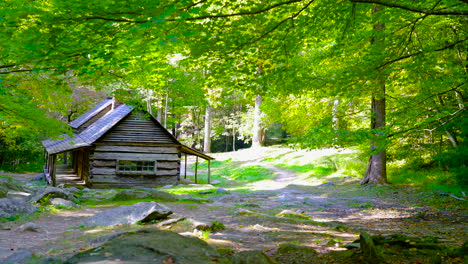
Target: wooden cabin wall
{"points": [[81, 164], [104, 165], [138, 127]]}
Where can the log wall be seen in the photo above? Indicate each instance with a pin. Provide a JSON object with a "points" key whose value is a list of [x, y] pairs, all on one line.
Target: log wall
{"points": [[138, 127], [104, 162]]}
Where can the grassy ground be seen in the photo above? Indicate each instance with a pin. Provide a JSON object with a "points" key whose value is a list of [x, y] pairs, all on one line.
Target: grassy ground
{"points": [[237, 169]]}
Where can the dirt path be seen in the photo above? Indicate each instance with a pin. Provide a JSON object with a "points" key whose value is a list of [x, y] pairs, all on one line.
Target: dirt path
{"points": [[322, 217]]}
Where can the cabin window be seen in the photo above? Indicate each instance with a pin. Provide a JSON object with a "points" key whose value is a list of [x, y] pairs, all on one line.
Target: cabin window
{"points": [[136, 166]]}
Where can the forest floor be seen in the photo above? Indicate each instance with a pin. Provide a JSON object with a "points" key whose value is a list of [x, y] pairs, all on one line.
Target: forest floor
{"points": [[286, 209]]}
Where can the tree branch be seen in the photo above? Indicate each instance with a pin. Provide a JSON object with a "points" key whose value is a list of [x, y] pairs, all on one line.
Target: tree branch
{"points": [[419, 52], [413, 9], [429, 97], [274, 28], [247, 13], [453, 116]]}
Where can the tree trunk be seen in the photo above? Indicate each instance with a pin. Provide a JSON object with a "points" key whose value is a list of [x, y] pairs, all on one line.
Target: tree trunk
{"points": [[207, 130], [376, 172], [335, 114], [233, 139], [257, 128]]}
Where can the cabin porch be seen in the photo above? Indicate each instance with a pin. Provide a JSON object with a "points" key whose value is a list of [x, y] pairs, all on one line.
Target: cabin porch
{"points": [[66, 175]]}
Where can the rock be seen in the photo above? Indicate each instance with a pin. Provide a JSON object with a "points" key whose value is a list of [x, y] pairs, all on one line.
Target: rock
{"points": [[242, 211], [205, 192], [292, 214], [9, 184], [163, 196], [221, 190], [440, 192], [261, 228], [215, 182], [192, 225], [152, 246], [19, 257], [3, 192], [17, 194], [352, 246], [31, 227], [72, 189], [169, 222], [63, 202], [231, 198], [327, 184], [295, 254], [252, 205], [195, 199], [129, 214], [50, 192], [186, 181], [48, 260], [206, 225], [131, 195], [368, 249], [103, 239], [13, 207], [250, 257], [38, 177]]}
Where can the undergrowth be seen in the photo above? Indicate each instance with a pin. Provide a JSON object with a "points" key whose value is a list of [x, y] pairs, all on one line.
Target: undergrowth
{"points": [[230, 172]]}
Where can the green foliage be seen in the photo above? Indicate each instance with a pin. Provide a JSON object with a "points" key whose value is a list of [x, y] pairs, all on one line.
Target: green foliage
{"points": [[317, 75]]}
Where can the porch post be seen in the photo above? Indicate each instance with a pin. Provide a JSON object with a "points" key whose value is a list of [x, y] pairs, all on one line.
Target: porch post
{"points": [[209, 171], [196, 168], [52, 169], [185, 171]]}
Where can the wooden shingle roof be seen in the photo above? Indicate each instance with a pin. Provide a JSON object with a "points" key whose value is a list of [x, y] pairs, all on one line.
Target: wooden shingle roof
{"points": [[99, 126], [90, 134], [91, 113]]}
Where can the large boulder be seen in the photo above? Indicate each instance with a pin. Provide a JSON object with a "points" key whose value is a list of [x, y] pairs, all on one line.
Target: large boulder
{"points": [[50, 192], [163, 196], [249, 257], [3, 191], [12, 207], [19, 257], [368, 248], [11, 185], [7, 185], [63, 202], [152, 246], [130, 195], [295, 254], [30, 227], [146, 194], [129, 214]]}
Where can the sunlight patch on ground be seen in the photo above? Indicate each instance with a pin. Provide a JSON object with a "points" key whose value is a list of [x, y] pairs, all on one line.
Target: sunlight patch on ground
{"points": [[252, 154]]}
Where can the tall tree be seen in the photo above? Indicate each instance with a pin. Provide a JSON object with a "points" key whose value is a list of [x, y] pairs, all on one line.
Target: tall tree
{"points": [[207, 130], [258, 135]]}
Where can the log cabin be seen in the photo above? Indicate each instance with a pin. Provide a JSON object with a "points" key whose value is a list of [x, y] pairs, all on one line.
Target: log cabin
{"points": [[118, 145]]}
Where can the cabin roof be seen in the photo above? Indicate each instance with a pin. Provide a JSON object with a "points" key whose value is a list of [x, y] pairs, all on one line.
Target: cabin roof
{"points": [[90, 114], [99, 127], [88, 136]]}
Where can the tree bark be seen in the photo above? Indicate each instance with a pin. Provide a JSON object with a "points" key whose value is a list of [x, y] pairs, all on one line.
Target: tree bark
{"points": [[207, 130], [257, 127], [376, 172], [335, 113]]}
